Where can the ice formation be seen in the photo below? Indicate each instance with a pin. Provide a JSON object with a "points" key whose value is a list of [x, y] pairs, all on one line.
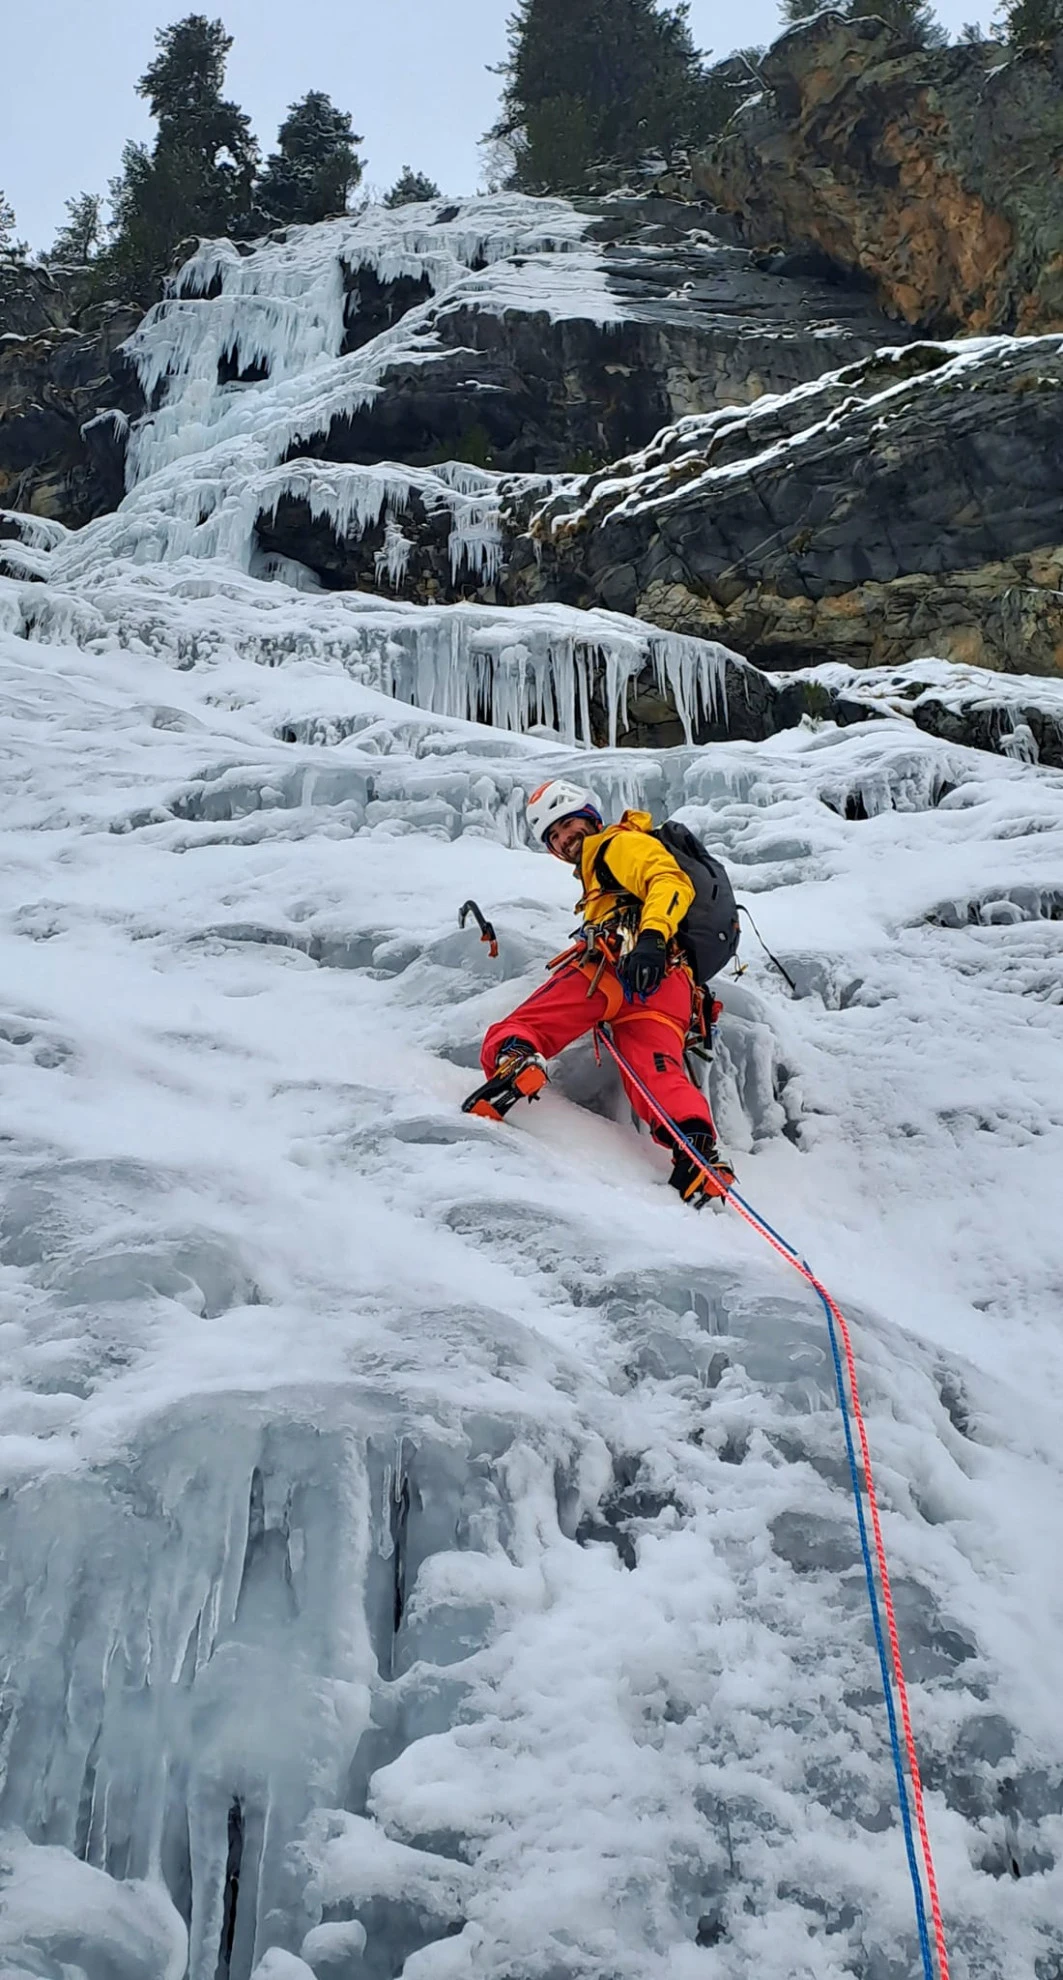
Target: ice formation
{"points": [[280, 313], [518, 669], [355, 498], [212, 457], [427, 1549]]}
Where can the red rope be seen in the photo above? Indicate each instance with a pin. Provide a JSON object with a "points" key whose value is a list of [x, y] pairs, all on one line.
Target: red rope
{"points": [[891, 1620], [779, 1244]]}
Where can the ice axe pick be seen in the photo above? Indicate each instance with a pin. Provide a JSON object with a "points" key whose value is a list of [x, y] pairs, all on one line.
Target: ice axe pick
{"points": [[487, 933]]}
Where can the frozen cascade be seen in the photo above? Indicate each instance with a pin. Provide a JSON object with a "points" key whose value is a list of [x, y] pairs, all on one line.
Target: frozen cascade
{"points": [[354, 499], [212, 457], [281, 312], [426, 1550], [536, 666]]}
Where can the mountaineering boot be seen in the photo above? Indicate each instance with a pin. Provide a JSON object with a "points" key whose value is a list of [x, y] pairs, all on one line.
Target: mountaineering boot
{"points": [[692, 1179], [520, 1074]]}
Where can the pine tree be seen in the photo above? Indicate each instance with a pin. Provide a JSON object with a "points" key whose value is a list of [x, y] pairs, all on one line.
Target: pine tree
{"points": [[209, 136], [590, 82], [1033, 23], [8, 244], [12, 254], [412, 189], [198, 177], [78, 241], [315, 168], [912, 21]]}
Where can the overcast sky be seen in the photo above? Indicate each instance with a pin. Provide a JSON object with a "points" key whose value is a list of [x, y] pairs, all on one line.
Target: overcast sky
{"points": [[412, 72]]}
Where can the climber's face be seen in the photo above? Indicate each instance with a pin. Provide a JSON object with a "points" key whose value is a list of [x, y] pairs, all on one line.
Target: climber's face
{"points": [[566, 838]]}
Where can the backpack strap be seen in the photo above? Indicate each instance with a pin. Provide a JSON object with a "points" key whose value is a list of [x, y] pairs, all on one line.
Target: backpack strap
{"points": [[604, 878]]}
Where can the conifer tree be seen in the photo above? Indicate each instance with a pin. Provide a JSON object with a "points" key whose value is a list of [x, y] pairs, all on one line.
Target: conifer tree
{"points": [[204, 134], [198, 177], [8, 244], [593, 82], [411, 189], [79, 239], [911, 20], [12, 252], [315, 167], [1033, 23]]}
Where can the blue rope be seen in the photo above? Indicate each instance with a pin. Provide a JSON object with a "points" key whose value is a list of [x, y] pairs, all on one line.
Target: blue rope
{"points": [[865, 1545], [880, 1644]]}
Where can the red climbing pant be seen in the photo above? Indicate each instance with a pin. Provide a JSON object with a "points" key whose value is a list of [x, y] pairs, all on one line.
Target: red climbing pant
{"points": [[650, 1035]]}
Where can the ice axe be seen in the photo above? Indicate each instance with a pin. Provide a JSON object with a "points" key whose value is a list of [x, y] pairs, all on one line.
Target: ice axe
{"points": [[487, 933]]}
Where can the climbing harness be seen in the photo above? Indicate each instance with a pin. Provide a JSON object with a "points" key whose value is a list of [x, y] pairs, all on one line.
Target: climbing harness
{"points": [[852, 1411]]}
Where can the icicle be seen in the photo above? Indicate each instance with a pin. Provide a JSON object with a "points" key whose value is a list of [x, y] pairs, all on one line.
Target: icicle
{"points": [[695, 672], [393, 560]]}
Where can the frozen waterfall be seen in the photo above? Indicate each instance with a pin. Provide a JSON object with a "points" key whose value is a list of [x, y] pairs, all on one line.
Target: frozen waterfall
{"points": [[428, 1551]]}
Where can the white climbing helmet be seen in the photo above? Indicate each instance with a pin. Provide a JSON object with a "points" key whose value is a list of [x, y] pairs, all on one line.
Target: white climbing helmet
{"points": [[556, 800]]}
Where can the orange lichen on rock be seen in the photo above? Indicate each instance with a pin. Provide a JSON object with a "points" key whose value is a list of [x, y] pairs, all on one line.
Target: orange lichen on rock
{"points": [[936, 172]]}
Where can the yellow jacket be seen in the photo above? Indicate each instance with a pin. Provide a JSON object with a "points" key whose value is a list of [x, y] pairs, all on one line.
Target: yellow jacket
{"points": [[638, 865]]}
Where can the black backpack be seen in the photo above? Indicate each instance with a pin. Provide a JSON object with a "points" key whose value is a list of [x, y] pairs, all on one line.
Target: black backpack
{"points": [[709, 932]]}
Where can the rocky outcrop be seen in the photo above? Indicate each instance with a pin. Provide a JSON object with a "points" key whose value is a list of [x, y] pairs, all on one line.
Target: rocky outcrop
{"points": [[937, 174], [909, 507], [35, 297], [524, 380], [901, 508], [66, 399], [1007, 716]]}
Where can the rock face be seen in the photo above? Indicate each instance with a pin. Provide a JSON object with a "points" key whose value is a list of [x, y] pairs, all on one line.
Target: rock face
{"points": [[901, 508], [685, 322], [906, 508], [66, 399], [934, 173], [527, 403], [557, 367]]}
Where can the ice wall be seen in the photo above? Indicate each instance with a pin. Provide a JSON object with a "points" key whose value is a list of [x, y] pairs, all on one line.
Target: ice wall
{"points": [[426, 1549], [519, 669], [244, 362], [278, 315], [355, 499]]}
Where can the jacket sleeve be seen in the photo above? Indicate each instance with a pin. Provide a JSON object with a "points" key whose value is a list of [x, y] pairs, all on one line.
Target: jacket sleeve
{"points": [[643, 867]]}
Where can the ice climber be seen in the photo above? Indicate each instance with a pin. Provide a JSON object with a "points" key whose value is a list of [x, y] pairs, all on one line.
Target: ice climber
{"points": [[627, 970]]}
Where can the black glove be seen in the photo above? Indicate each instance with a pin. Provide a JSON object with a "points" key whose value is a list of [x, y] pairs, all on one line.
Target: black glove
{"points": [[642, 972]]}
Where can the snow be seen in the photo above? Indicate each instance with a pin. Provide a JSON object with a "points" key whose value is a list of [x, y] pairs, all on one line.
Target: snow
{"points": [[1008, 699], [448, 1498], [427, 1547], [52, 1906]]}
